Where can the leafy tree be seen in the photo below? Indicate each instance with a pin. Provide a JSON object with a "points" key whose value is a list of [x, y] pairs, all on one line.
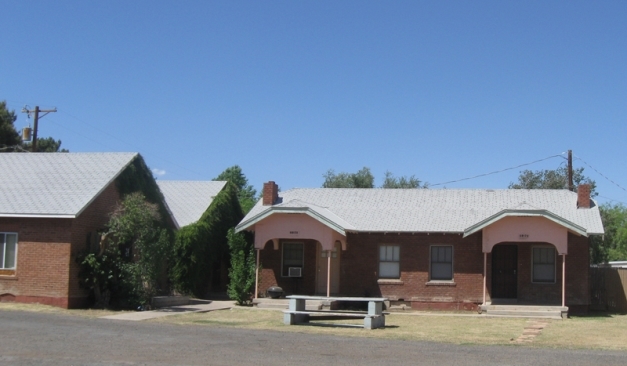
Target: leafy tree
{"points": [[132, 255], [202, 247], [613, 245], [246, 194], [242, 271], [552, 179], [391, 181], [362, 179], [9, 137], [47, 144]]}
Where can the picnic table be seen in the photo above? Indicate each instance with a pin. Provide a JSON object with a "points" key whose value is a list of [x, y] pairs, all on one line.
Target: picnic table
{"points": [[297, 313]]}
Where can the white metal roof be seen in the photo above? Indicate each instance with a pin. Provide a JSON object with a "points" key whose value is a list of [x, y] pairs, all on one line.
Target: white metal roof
{"points": [[188, 200], [429, 210], [55, 184]]}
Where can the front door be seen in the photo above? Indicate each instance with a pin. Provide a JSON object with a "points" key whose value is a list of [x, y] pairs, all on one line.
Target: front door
{"points": [[505, 272], [322, 265]]}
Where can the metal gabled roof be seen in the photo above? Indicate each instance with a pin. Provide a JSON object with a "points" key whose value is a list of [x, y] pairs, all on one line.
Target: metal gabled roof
{"points": [[188, 200], [430, 210], [55, 184]]}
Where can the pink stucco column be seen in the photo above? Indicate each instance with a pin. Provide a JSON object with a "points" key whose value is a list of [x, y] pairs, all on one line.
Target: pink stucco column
{"points": [[328, 273], [485, 282], [257, 275], [563, 280]]}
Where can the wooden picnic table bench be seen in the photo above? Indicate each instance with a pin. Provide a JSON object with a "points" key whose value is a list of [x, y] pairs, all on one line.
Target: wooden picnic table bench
{"points": [[297, 313]]}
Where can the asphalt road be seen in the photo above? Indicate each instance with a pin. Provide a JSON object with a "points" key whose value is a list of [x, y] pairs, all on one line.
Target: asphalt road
{"points": [[52, 339]]}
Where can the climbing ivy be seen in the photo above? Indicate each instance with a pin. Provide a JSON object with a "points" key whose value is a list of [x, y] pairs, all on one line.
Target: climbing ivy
{"points": [[203, 245]]}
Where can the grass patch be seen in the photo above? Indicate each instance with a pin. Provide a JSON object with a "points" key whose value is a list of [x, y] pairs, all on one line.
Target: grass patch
{"points": [[451, 329], [600, 331], [39, 308]]}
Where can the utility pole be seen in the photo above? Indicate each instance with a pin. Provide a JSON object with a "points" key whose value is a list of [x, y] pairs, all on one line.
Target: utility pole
{"points": [[35, 122], [571, 186]]}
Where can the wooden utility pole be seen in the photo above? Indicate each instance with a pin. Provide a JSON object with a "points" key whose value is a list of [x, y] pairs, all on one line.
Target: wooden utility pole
{"points": [[571, 186], [36, 121]]}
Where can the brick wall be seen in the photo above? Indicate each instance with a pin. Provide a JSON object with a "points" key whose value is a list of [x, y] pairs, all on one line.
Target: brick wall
{"points": [[359, 268], [270, 274], [46, 270], [360, 265]]}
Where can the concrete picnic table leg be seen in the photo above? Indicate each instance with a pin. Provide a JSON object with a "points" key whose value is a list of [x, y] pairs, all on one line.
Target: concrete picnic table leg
{"points": [[375, 318], [291, 318]]}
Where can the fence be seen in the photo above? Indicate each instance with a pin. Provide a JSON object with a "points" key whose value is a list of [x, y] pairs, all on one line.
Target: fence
{"points": [[608, 289]]}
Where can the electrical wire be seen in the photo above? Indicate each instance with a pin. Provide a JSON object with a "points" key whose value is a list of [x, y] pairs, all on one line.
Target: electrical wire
{"points": [[601, 174], [498, 171]]}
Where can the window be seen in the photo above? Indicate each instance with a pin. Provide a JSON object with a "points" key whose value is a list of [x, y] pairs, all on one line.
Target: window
{"points": [[389, 261], [441, 263], [8, 250], [293, 257], [543, 265]]}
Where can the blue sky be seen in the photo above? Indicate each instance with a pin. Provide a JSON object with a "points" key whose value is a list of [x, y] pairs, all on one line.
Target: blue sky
{"points": [[442, 90]]}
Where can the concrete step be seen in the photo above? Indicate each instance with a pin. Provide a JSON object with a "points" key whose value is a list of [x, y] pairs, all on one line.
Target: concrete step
{"points": [[525, 311]]}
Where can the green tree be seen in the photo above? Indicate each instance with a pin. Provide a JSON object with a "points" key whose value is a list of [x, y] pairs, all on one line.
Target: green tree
{"points": [[242, 271], [246, 193], [47, 144], [391, 181], [552, 179], [132, 256], [613, 245], [9, 137], [362, 179]]}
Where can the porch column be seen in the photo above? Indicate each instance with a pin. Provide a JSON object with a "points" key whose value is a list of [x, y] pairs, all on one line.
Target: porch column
{"points": [[257, 275], [563, 280], [485, 283], [328, 273]]}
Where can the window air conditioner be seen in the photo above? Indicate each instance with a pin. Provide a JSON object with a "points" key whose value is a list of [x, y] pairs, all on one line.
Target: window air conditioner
{"points": [[294, 272]]}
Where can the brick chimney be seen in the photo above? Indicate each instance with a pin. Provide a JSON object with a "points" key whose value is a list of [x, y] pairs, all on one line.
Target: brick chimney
{"points": [[270, 193], [583, 196]]}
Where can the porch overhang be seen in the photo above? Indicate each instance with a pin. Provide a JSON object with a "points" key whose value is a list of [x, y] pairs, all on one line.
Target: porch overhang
{"points": [[327, 219], [570, 226], [526, 226]]}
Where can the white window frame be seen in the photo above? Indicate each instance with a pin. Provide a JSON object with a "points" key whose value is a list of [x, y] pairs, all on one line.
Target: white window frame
{"points": [[395, 247], [286, 273], [431, 263], [4, 251], [533, 264]]}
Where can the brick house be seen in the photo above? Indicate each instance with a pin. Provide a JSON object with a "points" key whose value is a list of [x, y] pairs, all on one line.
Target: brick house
{"points": [[428, 248], [51, 205]]}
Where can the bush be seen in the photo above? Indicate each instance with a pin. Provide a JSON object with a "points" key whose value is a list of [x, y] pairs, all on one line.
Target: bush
{"points": [[242, 271]]}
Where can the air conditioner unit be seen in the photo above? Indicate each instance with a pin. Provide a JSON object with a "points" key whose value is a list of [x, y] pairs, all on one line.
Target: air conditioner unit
{"points": [[294, 272]]}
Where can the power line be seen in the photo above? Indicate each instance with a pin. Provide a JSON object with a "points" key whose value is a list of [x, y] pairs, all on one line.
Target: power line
{"points": [[498, 171], [601, 174]]}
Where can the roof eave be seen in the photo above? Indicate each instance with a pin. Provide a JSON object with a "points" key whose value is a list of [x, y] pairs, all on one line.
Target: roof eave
{"points": [[525, 213], [39, 216], [294, 210]]}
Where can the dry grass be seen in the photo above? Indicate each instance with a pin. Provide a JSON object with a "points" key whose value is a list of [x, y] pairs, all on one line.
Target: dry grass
{"points": [[452, 329], [600, 331], [91, 313]]}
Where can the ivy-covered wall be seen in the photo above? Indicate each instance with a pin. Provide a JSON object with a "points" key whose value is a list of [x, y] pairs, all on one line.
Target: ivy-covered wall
{"points": [[201, 251]]}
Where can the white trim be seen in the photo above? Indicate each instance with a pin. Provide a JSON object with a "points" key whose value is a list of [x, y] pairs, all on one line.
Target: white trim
{"points": [[555, 255], [298, 210], [526, 213], [40, 216], [4, 250], [379, 262], [283, 251], [452, 263]]}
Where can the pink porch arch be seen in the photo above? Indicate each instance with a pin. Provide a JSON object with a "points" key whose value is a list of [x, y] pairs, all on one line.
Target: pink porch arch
{"points": [[295, 226], [520, 229]]}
